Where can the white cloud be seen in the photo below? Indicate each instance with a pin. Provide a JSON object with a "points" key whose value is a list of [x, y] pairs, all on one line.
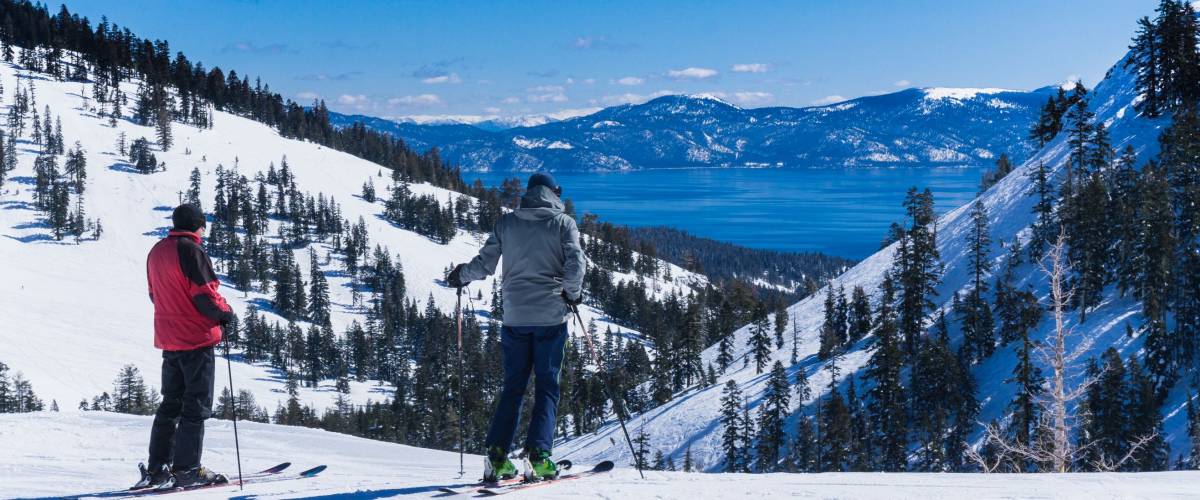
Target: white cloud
{"points": [[750, 68], [352, 100], [692, 73], [416, 100], [546, 93], [752, 98], [589, 81], [491, 110], [630, 80], [902, 83], [307, 96], [450, 78], [829, 99], [630, 98], [510, 100]]}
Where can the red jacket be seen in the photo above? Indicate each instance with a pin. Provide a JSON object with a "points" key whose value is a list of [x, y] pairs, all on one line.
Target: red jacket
{"points": [[188, 310]]}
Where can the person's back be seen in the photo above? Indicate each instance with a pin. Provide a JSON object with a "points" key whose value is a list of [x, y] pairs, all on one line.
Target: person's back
{"points": [[183, 289], [541, 279], [534, 240], [188, 315]]}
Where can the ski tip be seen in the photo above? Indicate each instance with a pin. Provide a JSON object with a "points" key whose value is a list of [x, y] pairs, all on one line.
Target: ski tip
{"points": [[313, 471], [276, 469], [604, 466]]}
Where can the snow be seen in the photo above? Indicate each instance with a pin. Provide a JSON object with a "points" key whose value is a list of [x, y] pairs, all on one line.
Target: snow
{"points": [[73, 315], [541, 143], [958, 94], [82, 455], [690, 420], [1000, 104]]}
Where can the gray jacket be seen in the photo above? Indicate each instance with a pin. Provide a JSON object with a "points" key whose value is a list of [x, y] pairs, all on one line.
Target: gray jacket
{"points": [[542, 258]]}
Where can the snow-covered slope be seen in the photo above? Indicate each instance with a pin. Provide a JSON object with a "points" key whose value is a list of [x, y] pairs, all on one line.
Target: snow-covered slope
{"points": [[74, 314], [930, 126], [81, 454], [691, 418]]}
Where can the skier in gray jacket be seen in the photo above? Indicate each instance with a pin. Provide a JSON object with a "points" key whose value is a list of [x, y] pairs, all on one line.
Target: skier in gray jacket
{"points": [[542, 278]]}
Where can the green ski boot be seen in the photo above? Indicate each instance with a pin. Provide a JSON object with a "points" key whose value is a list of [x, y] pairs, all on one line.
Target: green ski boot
{"points": [[539, 466], [497, 466]]}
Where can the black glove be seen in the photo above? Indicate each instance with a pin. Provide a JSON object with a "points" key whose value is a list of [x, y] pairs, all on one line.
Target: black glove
{"points": [[455, 278], [572, 302]]}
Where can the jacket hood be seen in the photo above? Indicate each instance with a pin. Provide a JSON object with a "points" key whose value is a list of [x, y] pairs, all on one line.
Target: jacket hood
{"points": [[539, 203]]}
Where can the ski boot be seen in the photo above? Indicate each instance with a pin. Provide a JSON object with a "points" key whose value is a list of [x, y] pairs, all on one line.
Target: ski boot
{"points": [[154, 477], [196, 477], [497, 466], [539, 467]]}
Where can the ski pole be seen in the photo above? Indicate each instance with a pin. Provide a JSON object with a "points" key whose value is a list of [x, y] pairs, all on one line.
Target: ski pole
{"points": [[603, 383], [461, 417], [233, 410]]}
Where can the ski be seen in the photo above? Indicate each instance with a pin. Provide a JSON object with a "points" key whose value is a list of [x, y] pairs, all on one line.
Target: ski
{"points": [[253, 479], [131, 492], [468, 488], [600, 468]]}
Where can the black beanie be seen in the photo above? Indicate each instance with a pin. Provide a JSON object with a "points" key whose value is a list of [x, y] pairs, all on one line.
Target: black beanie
{"points": [[542, 179], [188, 217]]}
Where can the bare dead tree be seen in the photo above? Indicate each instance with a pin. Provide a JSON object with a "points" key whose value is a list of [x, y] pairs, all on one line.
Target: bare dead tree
{"points": [[1056, 423]]}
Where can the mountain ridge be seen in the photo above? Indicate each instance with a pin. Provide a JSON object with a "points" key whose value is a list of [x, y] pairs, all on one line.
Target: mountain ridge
{"points": [[914, 126]]}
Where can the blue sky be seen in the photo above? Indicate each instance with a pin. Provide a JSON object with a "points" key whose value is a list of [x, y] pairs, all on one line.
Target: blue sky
{"points": [[476, 58]]}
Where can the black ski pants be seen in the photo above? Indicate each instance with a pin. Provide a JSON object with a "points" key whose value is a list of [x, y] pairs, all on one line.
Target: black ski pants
{"points": [[177, 438]]}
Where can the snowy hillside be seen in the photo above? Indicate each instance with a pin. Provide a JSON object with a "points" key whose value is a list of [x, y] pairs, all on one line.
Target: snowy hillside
{"points": [[74, 314], [929, 126], [691, 419], [92, 454]]}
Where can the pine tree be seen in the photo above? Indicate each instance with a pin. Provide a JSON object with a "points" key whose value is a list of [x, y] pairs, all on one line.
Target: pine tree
{"points": [[976, 313], [760, 340], [1146, 57], [781, 321], [1105, 428], [130, 394], [918, 267], [859, 318], [193, 194], [1122, 215], [731, 425], [772, 415], [1155, 250], [1145, 421], [888, 410], [641, 459], [318, 306], [75, 168], [836, 430], [1193, 430], [1029, 381], [830, 342]]}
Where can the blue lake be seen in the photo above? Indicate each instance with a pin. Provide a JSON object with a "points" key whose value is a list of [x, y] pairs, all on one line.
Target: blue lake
{"points": [[839, 211]]}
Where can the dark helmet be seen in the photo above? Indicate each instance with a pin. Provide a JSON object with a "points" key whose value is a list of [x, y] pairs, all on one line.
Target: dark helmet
{"points": [[544, 179], [188, 217]]}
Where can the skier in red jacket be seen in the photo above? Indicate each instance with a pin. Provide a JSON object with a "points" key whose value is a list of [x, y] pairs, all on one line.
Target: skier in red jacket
{"points": [[188, 315]]}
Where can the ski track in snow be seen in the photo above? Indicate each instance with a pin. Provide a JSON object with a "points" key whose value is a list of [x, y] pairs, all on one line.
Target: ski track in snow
{"points": [[87, 453]]}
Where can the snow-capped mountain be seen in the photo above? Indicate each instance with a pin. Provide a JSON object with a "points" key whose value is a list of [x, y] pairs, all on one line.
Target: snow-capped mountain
{"points": [[690, 421], [917, 126], [485, 122]]}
